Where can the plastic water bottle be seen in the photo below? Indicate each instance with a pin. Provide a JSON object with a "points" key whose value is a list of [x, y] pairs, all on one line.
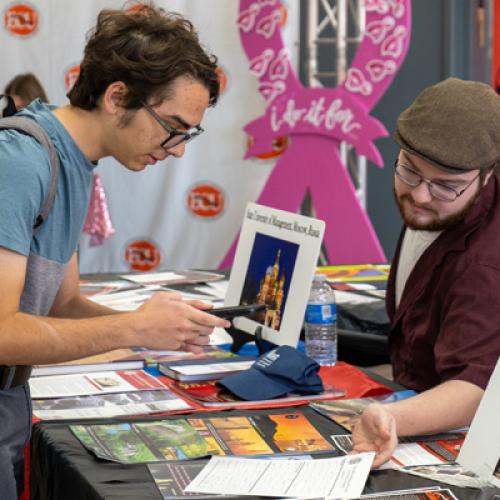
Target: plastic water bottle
{"points": [[321, 322]]}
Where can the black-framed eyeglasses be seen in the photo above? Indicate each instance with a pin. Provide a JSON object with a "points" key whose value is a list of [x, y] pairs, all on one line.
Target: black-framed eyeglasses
{"points": [[437, 189], [175, 136]]}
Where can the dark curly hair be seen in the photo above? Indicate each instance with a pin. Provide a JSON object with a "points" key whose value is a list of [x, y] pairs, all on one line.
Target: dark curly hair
{"points": [[147, 48]]}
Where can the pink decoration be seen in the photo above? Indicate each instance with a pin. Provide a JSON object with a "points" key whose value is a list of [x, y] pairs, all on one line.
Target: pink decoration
{"points": [[98, 222], [317, 120]]}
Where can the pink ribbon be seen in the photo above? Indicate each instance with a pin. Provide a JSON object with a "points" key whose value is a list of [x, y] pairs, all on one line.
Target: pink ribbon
{"points": [[98, 222], [317, 120]]}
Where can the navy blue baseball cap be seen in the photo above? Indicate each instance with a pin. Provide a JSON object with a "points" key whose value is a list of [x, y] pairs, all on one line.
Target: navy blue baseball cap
{"points": [[275, 374]]}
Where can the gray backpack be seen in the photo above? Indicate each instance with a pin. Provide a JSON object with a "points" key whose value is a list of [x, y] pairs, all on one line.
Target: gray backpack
{"points": [[30, 127]]}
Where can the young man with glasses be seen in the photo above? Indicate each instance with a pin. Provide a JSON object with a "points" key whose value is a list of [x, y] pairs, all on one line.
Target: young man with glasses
{"points": [[144, 85], [442, 295]]}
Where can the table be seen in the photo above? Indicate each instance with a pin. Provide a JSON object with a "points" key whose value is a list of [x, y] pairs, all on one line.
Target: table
{"points": [[62, 469]]}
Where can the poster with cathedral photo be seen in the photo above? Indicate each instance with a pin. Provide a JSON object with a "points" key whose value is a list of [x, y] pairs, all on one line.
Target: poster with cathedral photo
{"points": [[267, 281], [274, 265]]}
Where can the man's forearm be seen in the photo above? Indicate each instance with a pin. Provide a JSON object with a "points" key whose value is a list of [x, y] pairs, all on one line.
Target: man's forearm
{"points": [[27, 339], [164, 321], [81, 307], [450, 405]]}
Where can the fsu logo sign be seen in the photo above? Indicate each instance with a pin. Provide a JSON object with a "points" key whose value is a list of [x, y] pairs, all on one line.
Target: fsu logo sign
{"points": [[142, 255], [279, 147], [21, 19], [71, 77], [284, 15], [205, 200], [136, 7]]}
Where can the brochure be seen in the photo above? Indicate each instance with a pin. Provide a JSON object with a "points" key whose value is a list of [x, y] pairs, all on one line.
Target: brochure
{"points": [[364, 273], [172, 278], [91, 288], [152, 357], [87, 366], [341, 477], [127, 299], [84, 384], [453, 474], [274, 265], [413, 494], [196, 437], [108, 405], [418, 451], [205, 369], [211, 395], [171, 478], [347, 411], [127, 359]]}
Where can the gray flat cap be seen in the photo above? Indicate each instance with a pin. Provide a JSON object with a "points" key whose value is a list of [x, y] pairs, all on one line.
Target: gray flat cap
{"points": [[455, 125]]}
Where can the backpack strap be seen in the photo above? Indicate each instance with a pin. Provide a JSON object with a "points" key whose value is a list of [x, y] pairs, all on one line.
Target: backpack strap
{"points": [[31, 127]]}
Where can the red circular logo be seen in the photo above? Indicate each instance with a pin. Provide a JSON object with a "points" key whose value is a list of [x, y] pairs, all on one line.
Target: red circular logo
{"points": [[71, 77], [284, 15], [136, 7], [21, 19], [279, 147], [206, 200], [142, 255], [223, 78]]}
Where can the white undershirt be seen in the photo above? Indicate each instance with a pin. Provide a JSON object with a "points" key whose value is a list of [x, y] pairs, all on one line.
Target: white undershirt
{"points": [[414, 245]]}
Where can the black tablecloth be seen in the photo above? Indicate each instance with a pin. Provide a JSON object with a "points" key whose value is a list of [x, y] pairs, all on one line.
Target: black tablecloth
{"points": [[62, 469]]}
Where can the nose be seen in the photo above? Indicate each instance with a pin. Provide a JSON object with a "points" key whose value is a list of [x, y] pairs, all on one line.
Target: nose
{"points": [[421, 193], [178, 150]]}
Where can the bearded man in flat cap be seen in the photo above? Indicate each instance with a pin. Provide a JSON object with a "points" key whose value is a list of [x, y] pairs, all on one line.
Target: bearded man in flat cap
{"points": [[443, 292]]}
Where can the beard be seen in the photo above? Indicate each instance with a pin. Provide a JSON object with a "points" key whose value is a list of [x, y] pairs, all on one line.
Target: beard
{"points": [[438, 223]]}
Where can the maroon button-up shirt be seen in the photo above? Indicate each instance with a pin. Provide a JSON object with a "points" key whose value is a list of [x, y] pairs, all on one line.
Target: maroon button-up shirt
{"points": [[447, 325]]}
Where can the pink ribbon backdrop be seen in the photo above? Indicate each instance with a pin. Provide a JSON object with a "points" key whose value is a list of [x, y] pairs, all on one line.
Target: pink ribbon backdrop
{"points": [[317, 120]]}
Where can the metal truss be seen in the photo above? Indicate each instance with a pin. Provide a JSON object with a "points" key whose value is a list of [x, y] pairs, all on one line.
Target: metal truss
{"points": [[334, 29]]}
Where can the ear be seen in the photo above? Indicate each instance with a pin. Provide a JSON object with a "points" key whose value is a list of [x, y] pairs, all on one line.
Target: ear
{"points": [[113, 98]]}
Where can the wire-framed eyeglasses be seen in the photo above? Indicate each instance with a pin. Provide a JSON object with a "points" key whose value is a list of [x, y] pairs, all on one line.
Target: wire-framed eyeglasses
{"points": [[437, 189], [175, 136]]}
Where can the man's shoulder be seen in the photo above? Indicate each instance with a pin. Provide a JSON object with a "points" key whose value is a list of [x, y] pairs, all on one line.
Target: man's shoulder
{"points": [[22, 155]]}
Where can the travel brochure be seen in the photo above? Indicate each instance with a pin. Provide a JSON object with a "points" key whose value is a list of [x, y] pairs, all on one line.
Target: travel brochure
{"points": [[340, 477], [418, 451], [413, 494], [108, 405], [172, 477], [84, 384], [132, 290], [196, 437], [451, 473], [211, 395], [88, 366], [204, 369], [356, 273]]}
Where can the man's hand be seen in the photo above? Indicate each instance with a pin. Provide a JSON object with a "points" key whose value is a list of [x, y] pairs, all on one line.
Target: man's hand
{"points": [[375, 431], [167, 322]]}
